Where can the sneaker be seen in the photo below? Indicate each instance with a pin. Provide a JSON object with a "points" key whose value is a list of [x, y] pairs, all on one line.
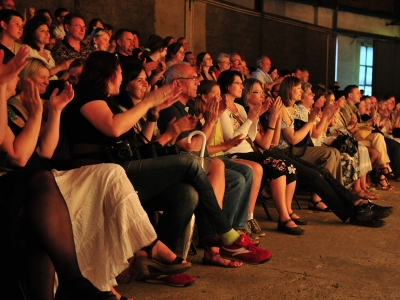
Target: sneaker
{"points": [[254, 227], [177, 280], [249, 233], [245, 251], [253, 238], [374, 223], [380, 212]]}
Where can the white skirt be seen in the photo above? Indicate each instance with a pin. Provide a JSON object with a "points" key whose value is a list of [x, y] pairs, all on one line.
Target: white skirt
{"points": [[108, 220]]}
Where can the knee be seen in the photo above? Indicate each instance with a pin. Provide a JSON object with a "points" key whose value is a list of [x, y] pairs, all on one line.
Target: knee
{"points": [[189, 198]]}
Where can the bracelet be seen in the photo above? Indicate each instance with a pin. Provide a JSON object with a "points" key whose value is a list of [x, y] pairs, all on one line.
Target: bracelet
{"points": [[270, 128], [151, 117]]}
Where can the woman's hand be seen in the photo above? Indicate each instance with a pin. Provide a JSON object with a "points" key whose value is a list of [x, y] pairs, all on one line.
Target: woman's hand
{"points": [[353, 121], [212, 109], [275, 108], [65, 65], [10, 70], [31, 98], [233, 142], [163, 97], [313, 114], [254, 112], [58, 102]]}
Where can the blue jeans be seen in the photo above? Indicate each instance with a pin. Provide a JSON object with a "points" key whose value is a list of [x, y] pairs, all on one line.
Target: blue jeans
{"points": [[238, 181], [176, 185]]}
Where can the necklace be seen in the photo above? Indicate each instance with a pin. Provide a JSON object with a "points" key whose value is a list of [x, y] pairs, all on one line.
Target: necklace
{"points": [[11, 114]]}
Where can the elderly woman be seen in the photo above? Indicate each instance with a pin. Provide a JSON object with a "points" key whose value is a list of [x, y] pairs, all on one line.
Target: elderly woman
{"points": [[223, 63], [36, 37]]}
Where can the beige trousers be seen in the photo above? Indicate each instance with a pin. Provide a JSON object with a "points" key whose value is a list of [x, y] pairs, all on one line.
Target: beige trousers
{"points": [[327, 157]]}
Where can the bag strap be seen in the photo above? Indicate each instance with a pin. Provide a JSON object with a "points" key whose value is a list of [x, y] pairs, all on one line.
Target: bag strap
{"points": [[247, 138]]}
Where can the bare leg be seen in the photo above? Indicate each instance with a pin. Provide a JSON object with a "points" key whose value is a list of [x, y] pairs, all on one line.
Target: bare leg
{"points": [[255, 188], [278, 192], [216, 176]]}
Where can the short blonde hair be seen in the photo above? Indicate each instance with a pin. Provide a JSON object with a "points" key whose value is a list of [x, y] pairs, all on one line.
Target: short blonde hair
{"points": [[33, 66]]}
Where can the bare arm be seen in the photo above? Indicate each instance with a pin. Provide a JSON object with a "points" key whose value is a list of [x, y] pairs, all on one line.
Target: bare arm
{"points": [[99, 114], [50, 133], [292, 136]]}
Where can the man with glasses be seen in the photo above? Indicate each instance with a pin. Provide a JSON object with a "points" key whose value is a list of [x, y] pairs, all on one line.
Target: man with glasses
{"points": [[58, 30], [72, 46], [238, 178]]}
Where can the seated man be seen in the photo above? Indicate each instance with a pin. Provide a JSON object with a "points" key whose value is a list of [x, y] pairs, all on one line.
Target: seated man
{"points": [[72, 46], [182, 75]]}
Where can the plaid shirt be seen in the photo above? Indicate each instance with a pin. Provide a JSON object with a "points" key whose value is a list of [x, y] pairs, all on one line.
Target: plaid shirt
{"points": [[63, 51]]}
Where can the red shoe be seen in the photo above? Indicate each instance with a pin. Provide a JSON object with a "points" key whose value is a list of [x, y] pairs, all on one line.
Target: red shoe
{"points": [[245, 251], [178, 280]]}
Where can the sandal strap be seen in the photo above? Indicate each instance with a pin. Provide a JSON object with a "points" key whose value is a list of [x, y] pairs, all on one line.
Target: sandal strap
{"points": [[291, 214], [287, 221], [148, 249]]}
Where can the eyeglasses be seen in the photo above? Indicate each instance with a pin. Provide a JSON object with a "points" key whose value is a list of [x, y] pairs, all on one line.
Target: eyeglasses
{"points": [[260, 93], [224, 62], [79, 26], [194, 78], [236, 61], [238, 83]]}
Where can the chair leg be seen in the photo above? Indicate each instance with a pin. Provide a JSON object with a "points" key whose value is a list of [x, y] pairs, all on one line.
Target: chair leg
{"points": [[297, 201], [266, 209], [193, 248]]}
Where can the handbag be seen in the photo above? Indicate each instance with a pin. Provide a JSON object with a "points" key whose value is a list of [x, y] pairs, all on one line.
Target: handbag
{"points": [[363, 132], [305, 142], [345, 143]]}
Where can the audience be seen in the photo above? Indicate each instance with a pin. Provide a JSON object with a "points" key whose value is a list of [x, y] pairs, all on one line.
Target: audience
{"points": [[266, 128]]}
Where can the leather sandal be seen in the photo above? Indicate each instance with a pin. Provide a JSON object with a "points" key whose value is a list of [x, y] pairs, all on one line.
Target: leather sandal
{"points": [[297, 221], [216, 255], [147, 266], [314, 206]]}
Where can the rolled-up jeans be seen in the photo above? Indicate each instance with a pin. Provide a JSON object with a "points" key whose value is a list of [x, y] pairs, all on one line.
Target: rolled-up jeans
{"points": [[176, 185]]}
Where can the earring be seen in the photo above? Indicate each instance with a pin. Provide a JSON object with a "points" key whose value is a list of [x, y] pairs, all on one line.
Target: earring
{"points": [[95, 46]]}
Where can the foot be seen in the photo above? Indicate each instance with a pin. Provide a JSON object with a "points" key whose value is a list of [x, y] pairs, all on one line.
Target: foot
{"points": [[367, 223], [289, 226], [296, 219], [118, 295], [245, 251], [255, 227], [252, 237], [318, 206], [212, 257], [160, 252]]}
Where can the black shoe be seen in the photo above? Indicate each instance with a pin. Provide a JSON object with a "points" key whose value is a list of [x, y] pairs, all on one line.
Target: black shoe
{"points": [[289, 230], [363, 212], [374, 223], [297, 221], [380, 212]]}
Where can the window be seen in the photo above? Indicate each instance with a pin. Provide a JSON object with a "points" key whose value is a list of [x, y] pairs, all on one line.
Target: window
{"points": [[366, 65]]}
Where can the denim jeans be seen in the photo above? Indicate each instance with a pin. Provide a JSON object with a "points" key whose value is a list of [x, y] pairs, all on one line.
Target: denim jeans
{"points": [[176, 185], [237, 214], [238, 181]]}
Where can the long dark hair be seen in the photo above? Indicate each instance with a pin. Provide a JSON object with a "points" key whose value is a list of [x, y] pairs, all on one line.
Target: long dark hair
{"points": [[172, 50], [100, 67], [130, 71]]}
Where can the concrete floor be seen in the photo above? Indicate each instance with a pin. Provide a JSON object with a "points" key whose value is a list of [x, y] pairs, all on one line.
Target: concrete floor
{"points": [[332, 260]]}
